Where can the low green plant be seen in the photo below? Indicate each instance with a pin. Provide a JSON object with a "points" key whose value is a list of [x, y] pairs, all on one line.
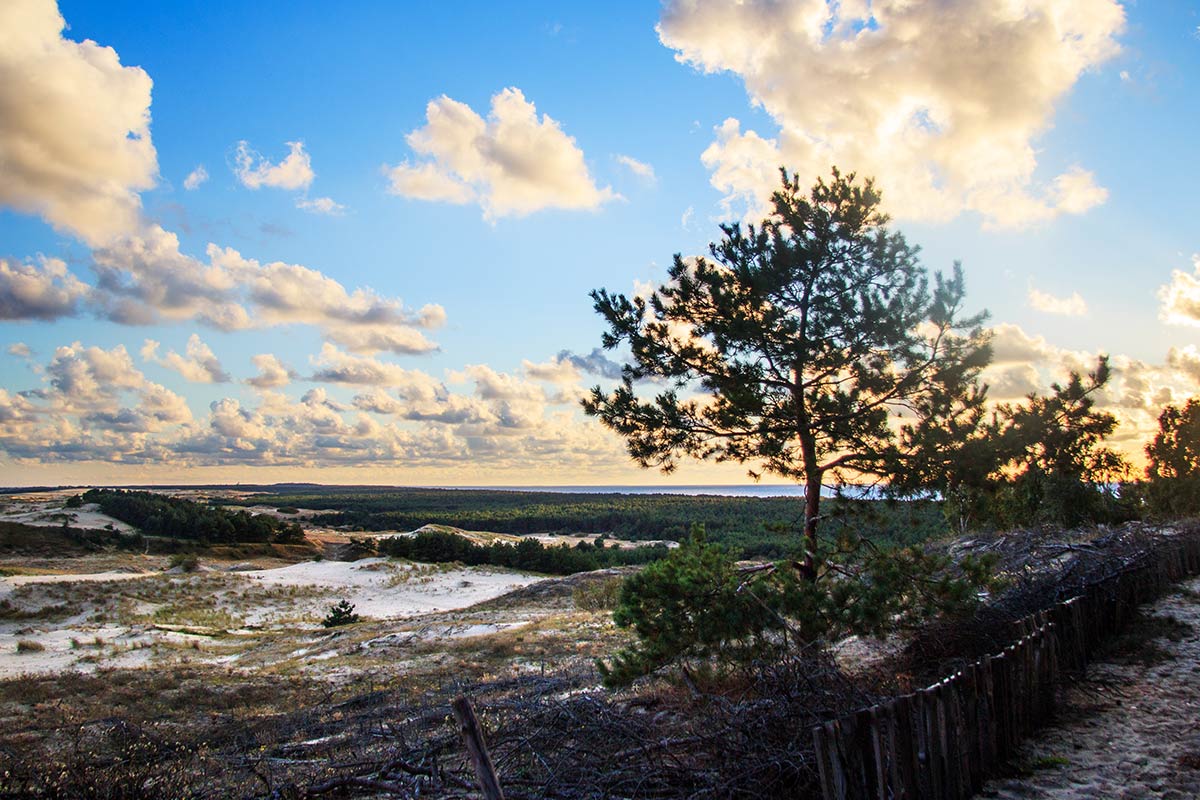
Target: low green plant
{"points": [[341, 614], [598, 596], [698, 607]]}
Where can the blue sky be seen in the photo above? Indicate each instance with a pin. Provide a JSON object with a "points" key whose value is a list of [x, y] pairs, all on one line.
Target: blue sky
{"points": [[472, 174]]}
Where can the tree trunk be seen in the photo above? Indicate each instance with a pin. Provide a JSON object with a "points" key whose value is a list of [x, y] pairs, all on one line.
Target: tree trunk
{"points": [[812, 510]]}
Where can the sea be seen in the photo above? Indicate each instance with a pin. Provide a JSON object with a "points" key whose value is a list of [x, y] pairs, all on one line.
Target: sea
{"points": [[719, 490]]}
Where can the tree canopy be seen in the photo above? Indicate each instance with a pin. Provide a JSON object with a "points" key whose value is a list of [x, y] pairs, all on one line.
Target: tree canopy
{"points": [[793, 345]]}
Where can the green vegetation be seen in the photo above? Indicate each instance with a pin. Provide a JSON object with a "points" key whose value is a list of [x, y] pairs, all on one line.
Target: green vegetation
{"points": [[802, 337], [159, 515], [1173, 473], [341, 614], [16, 537], [1042, 461], [528, 554], [752, 526], [697, 607]]}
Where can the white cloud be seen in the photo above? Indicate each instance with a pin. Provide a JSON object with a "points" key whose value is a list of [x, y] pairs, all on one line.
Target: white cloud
{"points": [[43, 291], [321, 205], [75, 127], [638, 168], [200, 365], [686, 218], [1073, 306], [1180, 299], [254, 171], [145, 279], [196, 178], [20, 350], [513, 163], [272, 373], [941, 102]]}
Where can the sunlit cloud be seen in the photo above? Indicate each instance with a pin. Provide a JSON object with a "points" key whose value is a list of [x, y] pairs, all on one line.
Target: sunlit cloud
{"points": [[1073, 306], [254, 171], [199, 364], [1180, 299], [45, 290], [512, 164], [942, 103], [75, 143]]}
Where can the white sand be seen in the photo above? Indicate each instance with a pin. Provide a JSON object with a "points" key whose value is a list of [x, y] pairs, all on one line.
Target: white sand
{"points": [[385, 589], [379, 588], [1128, 731]]}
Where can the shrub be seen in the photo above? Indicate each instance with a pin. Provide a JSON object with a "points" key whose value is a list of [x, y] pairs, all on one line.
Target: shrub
{"points": [[598, 596], [29, 646], [187, 562], [341, 614]]}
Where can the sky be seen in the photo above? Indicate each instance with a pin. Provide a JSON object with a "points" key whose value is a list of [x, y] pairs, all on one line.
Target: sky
{"points": [[265, 242]]}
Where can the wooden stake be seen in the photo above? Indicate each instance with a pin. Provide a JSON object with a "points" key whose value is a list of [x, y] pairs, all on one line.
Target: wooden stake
{"points": [[472, 736]]}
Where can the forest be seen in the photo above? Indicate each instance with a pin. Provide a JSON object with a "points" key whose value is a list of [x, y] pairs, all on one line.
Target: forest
{"points": [[159, 515], [753, 526]]}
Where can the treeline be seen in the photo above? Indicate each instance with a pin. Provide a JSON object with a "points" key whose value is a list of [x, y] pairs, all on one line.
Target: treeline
{"points": [[752, 526], [440, 547], [159, 515]]}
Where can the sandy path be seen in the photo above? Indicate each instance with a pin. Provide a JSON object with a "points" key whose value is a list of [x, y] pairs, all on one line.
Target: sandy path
{"points": [[1127, 730]]}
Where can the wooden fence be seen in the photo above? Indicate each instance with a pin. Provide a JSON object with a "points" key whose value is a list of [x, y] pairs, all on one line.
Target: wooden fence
{"points": [[942, 742]]}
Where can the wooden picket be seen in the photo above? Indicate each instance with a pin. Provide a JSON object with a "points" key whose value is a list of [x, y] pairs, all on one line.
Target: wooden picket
{"points": [[943, 741]]}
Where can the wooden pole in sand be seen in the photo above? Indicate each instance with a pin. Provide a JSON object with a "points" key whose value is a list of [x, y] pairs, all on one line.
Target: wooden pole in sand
{"points": [[472, 736]]}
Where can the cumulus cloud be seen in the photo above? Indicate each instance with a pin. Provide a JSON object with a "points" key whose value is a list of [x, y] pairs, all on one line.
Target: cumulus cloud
{"points": [[272, 373], [335, 366], [75, 143], [1180, 299], [75, 148], [638, 168], [199, 365], [196, 178], [595, 363], [1073, 306], [942, 102], [254, 171], [513, 163], [145, 278], [20, 350], [46, 290], [95, 406], [321, 205]]}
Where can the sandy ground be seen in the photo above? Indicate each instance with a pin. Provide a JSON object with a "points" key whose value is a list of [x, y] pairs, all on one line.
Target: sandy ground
{"points": [[1127, 730], [133, 619]]}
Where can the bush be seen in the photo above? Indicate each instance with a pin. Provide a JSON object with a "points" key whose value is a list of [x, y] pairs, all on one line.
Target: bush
{"points": [[698, 606], [29, 646], [74, 501], [187, 562], [599, 595], [341, 614]]}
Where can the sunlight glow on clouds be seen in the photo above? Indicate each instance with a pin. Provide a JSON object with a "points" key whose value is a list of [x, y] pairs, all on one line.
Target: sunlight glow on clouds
{"points": [[904, 92], [513, 163], [1073, 306], [74, 127], [44, 291], [200, 365], [1181, 297]]}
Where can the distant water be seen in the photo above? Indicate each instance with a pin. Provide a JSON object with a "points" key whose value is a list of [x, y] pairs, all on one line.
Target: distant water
{"points": [[755, 490]]}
